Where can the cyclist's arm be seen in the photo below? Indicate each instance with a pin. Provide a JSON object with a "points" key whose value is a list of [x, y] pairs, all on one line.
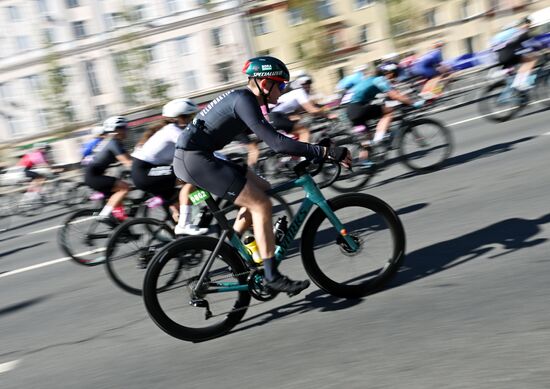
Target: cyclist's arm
{"points": [[121, 154], [246, 109], [385, 87], [124, 159]]}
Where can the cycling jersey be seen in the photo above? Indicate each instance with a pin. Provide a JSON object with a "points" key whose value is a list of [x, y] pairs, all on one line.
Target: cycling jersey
{"points": [[105, 154], [426, 66], [32, 159], [292, 101], [350, 81], [89, 147], [367, 89], [216, 126], [232, 113], [159, 149]]}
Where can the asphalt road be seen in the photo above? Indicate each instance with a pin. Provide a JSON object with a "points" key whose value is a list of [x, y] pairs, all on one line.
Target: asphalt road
{"points": [[467, 310]]}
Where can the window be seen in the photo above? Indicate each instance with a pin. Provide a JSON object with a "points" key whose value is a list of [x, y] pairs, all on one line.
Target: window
{"points": [[324, 8], [216, 34], [259, 26], [184, 45], [264, 52], [100, 113], [72, 3], [465, 9], [22, 43], [42, 6], [16, 126], [79, 30], [295, 16], [92, 79], [363, 3], [430, 18], [224, 71], [363, 34], [172, 6], [48, 35], [333, 41], [152, 53], [138, 12], [190, 80], [300, 52], [33, 83], [14, 14], [494, 5], [469, 44], [5, 91]]}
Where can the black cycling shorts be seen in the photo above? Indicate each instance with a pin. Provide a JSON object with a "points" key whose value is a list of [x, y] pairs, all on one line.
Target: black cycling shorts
{"points": [[99, 182], [507, 57], [281, 122], [202, 169], [32, 174], [359, 114], [157, 180]]}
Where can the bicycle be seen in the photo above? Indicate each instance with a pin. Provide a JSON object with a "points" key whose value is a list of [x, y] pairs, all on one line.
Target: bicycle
{"points": [[502, 102], [223, 277], [423, 144], [126, 259]]}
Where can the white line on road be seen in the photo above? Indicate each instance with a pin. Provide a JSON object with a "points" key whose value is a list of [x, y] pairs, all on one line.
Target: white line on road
{"points": [[48, 263], [484, 116], [59, 226], [5, 367]]}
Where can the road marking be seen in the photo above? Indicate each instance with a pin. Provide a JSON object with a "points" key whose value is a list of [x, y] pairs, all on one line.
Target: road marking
{"points": [[59, 226], [48, 263], [5, 367], [484, 116], [548, 133]]}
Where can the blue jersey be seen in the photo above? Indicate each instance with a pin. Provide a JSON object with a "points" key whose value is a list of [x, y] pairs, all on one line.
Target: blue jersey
{"points": [[350, 81], [367, 89], [89, 147]]}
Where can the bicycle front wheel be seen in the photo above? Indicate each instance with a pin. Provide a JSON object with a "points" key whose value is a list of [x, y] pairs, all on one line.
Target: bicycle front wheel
{"points": [[500, 102], [83, 237], [171, 277], [131, 248], [331, 263], [425, 145]]}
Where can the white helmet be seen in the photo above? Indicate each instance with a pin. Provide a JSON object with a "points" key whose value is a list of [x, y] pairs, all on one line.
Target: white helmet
{"points": [[111, 124], [179, 107], [360, 68], [304, 80], [97, 131]]}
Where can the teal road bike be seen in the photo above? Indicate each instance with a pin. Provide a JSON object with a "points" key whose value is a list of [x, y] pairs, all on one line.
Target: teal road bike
{"points": [[198, 287]]}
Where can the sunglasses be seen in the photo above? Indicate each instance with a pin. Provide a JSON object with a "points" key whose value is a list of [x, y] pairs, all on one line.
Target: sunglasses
{"points": [[282, 86]]}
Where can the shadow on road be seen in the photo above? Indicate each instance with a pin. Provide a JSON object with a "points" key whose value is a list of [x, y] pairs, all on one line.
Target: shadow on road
{"points": [[537, 111], [22, 305], [35, 221], [485, 152], [13, 251], [511, 234], [314, 301]]}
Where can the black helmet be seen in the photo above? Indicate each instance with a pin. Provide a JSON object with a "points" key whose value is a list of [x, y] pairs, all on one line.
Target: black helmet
{"points": [[266, 67]]}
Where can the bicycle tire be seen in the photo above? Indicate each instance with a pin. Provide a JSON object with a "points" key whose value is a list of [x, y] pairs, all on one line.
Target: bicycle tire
{"points": [[77, 195], [175, 250], [129, 232], [353, 180], [93, 237], [412, 160], [542, 85], [492, 92], [377, 219]]}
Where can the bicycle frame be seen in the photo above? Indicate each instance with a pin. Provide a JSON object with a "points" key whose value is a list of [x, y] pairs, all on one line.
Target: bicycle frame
{"points": [[314, 196]]}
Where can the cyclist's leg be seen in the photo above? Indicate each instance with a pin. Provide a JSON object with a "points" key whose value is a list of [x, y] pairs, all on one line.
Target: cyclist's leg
{"points": [[526, 64], [301, 131], [185, 221], [244, 218], [386, 116]]}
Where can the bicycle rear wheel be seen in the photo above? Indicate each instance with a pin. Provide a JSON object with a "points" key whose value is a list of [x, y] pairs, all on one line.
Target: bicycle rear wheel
{"points": [[355, 179], [542, 86], [500, 102], [83, 237], [170, 278], [131, 248], [425, 145], [330, 262]]}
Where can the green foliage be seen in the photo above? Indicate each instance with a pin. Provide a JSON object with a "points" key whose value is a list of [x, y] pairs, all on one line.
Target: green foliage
{"points": [[54, 93]]}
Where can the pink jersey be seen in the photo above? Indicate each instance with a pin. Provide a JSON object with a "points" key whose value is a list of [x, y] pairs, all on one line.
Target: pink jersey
{"points": [[33, 158]]}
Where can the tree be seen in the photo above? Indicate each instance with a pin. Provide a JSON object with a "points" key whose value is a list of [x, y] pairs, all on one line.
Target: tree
{"points": [[54, 93]]}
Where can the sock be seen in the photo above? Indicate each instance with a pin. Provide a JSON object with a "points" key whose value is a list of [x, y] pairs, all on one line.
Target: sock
{"points": [[378, 136], [270, 269], [185, 215], [106, 211]]}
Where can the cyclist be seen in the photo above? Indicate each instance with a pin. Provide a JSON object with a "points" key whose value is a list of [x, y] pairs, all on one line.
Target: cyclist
{"points": [[107, 153], [285, 115], [430, 66], [152, 163], [345, 86], [364, 106], [508, 45], [89, 147], [217, 125], [32, 159]]}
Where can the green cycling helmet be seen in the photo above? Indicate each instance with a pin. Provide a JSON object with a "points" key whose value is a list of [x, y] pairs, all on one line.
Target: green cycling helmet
{"points": [[266, 67]]}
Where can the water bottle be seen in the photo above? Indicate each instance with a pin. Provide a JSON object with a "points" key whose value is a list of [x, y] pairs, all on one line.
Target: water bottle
{"points": [[250, 244], [119, 213], [279, 230]]}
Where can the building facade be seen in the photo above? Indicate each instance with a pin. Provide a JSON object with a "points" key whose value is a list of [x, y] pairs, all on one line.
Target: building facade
{"points": [[110, 57]]}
